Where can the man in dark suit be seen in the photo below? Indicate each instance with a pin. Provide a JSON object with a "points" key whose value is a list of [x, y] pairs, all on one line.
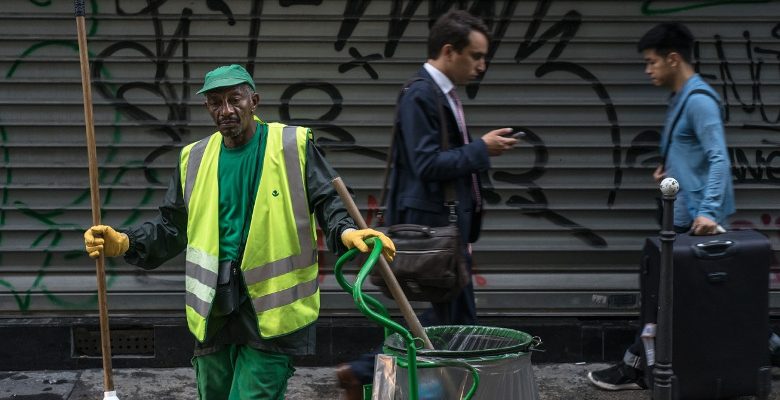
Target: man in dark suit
{"points": [[457, 46]]}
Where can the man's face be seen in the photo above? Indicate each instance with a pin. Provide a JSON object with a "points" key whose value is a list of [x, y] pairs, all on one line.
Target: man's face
{"points": [[232, 108], [658, 67], [467, 64]]}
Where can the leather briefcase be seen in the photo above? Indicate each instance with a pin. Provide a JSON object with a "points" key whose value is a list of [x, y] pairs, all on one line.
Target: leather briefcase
{"points": [[429, 263]]}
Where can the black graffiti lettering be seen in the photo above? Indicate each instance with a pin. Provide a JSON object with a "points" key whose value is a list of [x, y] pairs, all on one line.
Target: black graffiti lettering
{"points": [[353, 10], [153, 6], [566, 28], [151, 174], [361, 61], [402, 12], [399, 20], [221, 6], [254, 33], [138, 114], [401, 15], [776, 54], [772, 171], [643, 144], [345, 141], [609, 109], [761, 106], [526, 178], [487, 12], [647, 6], [762, 171], [772, 142], [728, 85], [536, 170], [741, 166], [329, 89], [537, 207], [174, 126], [697, 62], [728, 79], [288, 3]]}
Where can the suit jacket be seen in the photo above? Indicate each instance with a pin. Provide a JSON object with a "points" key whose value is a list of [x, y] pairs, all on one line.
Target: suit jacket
{"points": [[421, 169]]}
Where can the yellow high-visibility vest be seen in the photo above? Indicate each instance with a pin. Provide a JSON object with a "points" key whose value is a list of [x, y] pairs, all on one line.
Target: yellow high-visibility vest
{"points": [[280, 257]]}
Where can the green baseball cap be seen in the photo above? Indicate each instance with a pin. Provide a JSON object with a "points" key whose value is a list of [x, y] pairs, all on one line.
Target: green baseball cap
{"points": [[226, 75]]}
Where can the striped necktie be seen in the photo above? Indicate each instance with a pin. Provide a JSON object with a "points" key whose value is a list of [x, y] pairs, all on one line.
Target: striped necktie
{"points": [[462, 127]]}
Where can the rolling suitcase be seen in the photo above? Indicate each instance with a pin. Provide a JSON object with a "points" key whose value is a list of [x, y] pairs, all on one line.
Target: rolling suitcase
{"points": [[720, 316]]}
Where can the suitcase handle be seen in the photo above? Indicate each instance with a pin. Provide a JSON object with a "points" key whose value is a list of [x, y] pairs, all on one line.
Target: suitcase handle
{"points": [[714, 249], [717, 277]]}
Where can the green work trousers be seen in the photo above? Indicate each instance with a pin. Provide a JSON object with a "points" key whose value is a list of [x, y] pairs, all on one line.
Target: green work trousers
{"points": [[239, 372]]}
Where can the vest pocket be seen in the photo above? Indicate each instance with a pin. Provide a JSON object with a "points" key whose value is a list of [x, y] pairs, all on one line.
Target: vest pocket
{"points": [[226, 297]]}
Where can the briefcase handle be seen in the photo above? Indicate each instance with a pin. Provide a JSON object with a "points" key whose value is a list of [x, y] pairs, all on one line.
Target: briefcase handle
{"points": [[398, 228], [714, 249]]}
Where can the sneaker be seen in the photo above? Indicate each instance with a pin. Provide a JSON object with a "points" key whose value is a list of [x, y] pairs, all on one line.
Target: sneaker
{"points": [[618, 377]]}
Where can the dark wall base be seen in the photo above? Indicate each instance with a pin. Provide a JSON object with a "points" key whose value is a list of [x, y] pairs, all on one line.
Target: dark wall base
{"points": [[564, 339], [63, 343]]}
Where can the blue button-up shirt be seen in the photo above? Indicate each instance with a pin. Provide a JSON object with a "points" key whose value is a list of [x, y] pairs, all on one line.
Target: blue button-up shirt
{"points": [[698, 157]]}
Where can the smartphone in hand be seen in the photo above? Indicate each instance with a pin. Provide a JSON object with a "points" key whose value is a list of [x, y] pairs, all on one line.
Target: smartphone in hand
{"points": [[516, 135]]}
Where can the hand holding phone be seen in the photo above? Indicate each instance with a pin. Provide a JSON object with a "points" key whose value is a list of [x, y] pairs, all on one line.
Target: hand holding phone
{"points": [[517, 134], [500, 140]]}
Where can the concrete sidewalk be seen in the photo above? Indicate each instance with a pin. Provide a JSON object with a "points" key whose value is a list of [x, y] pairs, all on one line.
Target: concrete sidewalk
{"points": [[556, 382]]}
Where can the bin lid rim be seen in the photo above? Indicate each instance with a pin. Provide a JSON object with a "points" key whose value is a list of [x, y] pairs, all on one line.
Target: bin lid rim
{"points": [[525, 341]]}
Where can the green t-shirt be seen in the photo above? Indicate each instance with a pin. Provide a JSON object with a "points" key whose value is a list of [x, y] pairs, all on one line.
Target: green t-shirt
{"points": [[239, 174]]}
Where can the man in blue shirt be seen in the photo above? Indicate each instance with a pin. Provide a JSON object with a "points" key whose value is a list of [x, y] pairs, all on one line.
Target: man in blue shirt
{"points": [[693, 143], [694, 152]]}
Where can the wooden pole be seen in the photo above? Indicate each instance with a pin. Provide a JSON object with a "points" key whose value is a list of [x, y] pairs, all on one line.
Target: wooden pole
{"points": [[86, 88], [384, 269]]}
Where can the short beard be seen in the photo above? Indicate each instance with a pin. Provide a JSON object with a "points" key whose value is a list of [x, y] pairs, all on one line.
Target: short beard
{"points": [[232, 135]]}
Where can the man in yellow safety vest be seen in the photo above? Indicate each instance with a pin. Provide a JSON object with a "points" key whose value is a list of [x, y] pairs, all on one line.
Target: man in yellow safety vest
{"points": [[242, 203]]}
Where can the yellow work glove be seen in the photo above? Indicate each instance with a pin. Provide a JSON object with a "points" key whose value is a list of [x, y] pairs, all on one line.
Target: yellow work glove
{"points": [[354, 238], [103, 238]]}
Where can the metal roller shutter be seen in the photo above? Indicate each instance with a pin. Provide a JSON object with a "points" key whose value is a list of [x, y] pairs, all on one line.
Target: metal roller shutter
{"points": [[569, 209]]}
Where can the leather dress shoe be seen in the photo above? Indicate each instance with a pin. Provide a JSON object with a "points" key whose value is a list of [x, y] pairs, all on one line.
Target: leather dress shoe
{"points": [[353, 389]]}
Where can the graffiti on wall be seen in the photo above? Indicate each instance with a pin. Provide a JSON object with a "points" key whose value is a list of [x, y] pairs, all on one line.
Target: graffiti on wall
{"points": [[543, 45]]}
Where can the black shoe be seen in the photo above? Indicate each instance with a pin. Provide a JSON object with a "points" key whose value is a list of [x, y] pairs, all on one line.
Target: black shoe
{"points": [[353, 390], [618, 377]]}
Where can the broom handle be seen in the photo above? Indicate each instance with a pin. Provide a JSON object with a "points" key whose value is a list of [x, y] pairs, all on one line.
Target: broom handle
{"points": [[105, 339], [384, 269]]}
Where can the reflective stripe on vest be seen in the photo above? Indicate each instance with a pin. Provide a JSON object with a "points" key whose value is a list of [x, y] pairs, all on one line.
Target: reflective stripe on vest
{"points": [[202, 257], [280, 269], [280, 260]]}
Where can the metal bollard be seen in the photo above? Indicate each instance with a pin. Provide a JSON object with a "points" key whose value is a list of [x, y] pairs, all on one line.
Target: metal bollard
{"points": [[663, 385]]}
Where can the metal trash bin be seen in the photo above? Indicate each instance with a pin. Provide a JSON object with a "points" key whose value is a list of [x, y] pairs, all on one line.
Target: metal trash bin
{"points": [[500, 359], [462, 356]]}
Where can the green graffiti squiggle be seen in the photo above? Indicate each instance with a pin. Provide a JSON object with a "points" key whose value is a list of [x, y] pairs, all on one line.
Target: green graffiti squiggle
{"points": [[23, 302], [23, 299], [64, 43], [647, 10]]}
